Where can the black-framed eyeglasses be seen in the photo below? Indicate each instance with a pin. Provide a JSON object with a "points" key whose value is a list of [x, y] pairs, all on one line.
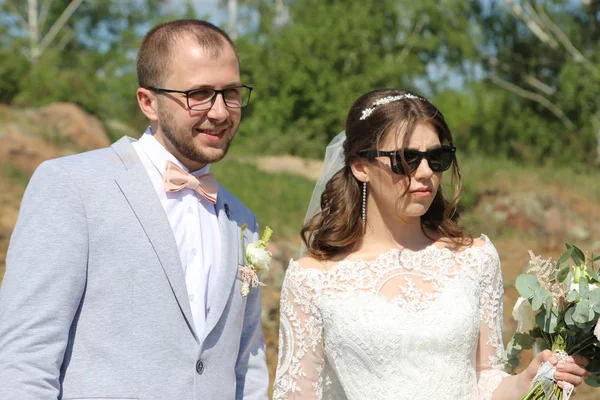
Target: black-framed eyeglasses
{"points": [[439, 159], [204, 98]]}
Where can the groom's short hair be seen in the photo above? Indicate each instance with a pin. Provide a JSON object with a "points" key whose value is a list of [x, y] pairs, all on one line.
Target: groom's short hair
{"points": [[155, 53]]}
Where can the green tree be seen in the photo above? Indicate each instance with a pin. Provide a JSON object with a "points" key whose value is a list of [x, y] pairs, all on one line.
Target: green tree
{"points": [[308, 68], [544, 55], [91, 61]]}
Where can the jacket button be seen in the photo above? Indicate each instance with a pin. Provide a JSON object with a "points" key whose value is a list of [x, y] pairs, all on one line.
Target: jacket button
{"points": [[199, 367]]}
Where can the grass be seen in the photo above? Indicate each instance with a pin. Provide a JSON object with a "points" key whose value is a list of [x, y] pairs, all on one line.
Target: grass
{"points": [[481, 172], [278, 200], [11, 174]]}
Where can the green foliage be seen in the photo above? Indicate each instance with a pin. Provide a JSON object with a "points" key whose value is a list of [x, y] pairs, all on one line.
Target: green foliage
{"points": [[552, 111], [527, 285], [310, 59], [278, 200], [309, 70], [565, 305], [12, 68], [90, 63], [515, 346]]}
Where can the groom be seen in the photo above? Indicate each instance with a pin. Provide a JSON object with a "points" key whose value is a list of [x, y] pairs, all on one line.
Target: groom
{"points": [[122, 275]]}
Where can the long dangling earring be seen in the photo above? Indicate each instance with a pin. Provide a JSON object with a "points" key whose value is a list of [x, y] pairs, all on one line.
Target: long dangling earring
{"points": [[364, 203]]}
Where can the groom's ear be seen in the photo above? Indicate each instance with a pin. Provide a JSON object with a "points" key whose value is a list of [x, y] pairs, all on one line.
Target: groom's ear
{"points": [[147, 102], [359, 167]]}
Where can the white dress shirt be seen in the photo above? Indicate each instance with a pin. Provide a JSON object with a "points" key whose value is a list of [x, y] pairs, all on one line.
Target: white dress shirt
{"points": [[195, 226]]}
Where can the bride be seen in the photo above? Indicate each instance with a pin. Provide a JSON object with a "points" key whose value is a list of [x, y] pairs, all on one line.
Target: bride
{"points": [[393, 299]]}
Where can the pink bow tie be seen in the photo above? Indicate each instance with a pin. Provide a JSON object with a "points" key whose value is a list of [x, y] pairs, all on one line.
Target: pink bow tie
{"points": [[176, 179]]}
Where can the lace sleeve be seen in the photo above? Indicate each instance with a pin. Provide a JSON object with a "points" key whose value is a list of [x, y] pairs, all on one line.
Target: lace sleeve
{"points": [[490, 367], [301, 358]]}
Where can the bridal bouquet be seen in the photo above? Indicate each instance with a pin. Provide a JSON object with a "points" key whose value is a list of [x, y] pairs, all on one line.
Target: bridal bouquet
{"points": [[558, 309]]}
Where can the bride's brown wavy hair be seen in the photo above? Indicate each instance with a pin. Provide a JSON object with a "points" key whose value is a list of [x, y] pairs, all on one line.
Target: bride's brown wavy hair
{"points": [[338, 228]]}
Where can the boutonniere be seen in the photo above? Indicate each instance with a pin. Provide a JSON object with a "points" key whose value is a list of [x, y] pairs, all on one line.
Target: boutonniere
{"points": [[258, 260]]}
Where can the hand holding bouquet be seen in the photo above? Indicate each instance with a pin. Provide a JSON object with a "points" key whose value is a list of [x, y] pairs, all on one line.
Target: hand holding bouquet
{"points": [[558, 310]]}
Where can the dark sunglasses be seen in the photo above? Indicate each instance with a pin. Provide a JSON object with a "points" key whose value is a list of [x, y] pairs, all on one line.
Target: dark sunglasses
{"points": [[439, 159]]}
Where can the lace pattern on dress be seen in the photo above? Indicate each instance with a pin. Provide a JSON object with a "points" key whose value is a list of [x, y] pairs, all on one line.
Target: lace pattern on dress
{"points": [[366, 329]]}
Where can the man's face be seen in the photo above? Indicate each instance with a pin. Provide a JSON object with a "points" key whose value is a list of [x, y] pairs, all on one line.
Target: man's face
{"points": [[203, 137]]}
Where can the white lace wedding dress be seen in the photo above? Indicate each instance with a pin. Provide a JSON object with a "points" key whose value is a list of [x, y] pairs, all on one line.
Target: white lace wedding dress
{"points": [[410, 325]]}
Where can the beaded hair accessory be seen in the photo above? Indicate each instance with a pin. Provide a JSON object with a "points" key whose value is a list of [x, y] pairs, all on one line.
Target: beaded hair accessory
{"points": [[385, 100]]}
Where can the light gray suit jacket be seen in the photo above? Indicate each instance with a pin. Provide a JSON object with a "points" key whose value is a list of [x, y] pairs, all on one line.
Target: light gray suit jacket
{"points": [[94, 303]]}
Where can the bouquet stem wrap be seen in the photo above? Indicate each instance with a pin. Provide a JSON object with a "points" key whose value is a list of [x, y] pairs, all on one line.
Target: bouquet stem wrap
{"points": [[545, 387]]}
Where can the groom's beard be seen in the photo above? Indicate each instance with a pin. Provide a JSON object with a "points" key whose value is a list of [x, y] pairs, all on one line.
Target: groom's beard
{"points": [[182, 140]]}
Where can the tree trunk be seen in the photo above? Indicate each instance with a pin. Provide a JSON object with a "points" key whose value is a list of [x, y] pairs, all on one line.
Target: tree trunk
{"points": [[232, 10], [35, 19], [34, 37]]}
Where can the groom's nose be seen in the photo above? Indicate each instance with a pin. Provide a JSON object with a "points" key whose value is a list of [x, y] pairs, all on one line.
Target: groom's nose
{"points": [[219, 110]]}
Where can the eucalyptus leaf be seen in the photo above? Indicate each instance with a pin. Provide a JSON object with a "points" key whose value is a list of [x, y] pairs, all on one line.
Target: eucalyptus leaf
{"points": [[513, 362], [539, 299], [521, 341], [584, 288], [583, 312], [573, 296], [594, 365], [547, 321], [549, 301], [514, 347], [526, 341], [536, 333], [593, 380], [527, 285], [569, 316], [594, 298], [595, 258]]}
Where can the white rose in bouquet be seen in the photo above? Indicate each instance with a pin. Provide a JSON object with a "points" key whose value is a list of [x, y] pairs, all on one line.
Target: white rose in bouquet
{"points": [[524, 315]]}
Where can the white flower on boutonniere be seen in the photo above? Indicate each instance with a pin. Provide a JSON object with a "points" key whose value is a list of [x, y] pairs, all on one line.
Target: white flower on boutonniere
{"points": [[258, 260]]}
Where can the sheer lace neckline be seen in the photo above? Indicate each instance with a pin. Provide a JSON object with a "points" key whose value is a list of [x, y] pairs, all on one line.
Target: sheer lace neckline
{"points": [[396, 252]]}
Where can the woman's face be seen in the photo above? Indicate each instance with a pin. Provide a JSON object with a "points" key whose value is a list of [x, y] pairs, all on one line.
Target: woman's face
{"points": [[387, 188]]}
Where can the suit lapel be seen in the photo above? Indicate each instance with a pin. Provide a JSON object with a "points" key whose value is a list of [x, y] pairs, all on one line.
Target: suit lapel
{"points": [[231, 257], [137, 188]]}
